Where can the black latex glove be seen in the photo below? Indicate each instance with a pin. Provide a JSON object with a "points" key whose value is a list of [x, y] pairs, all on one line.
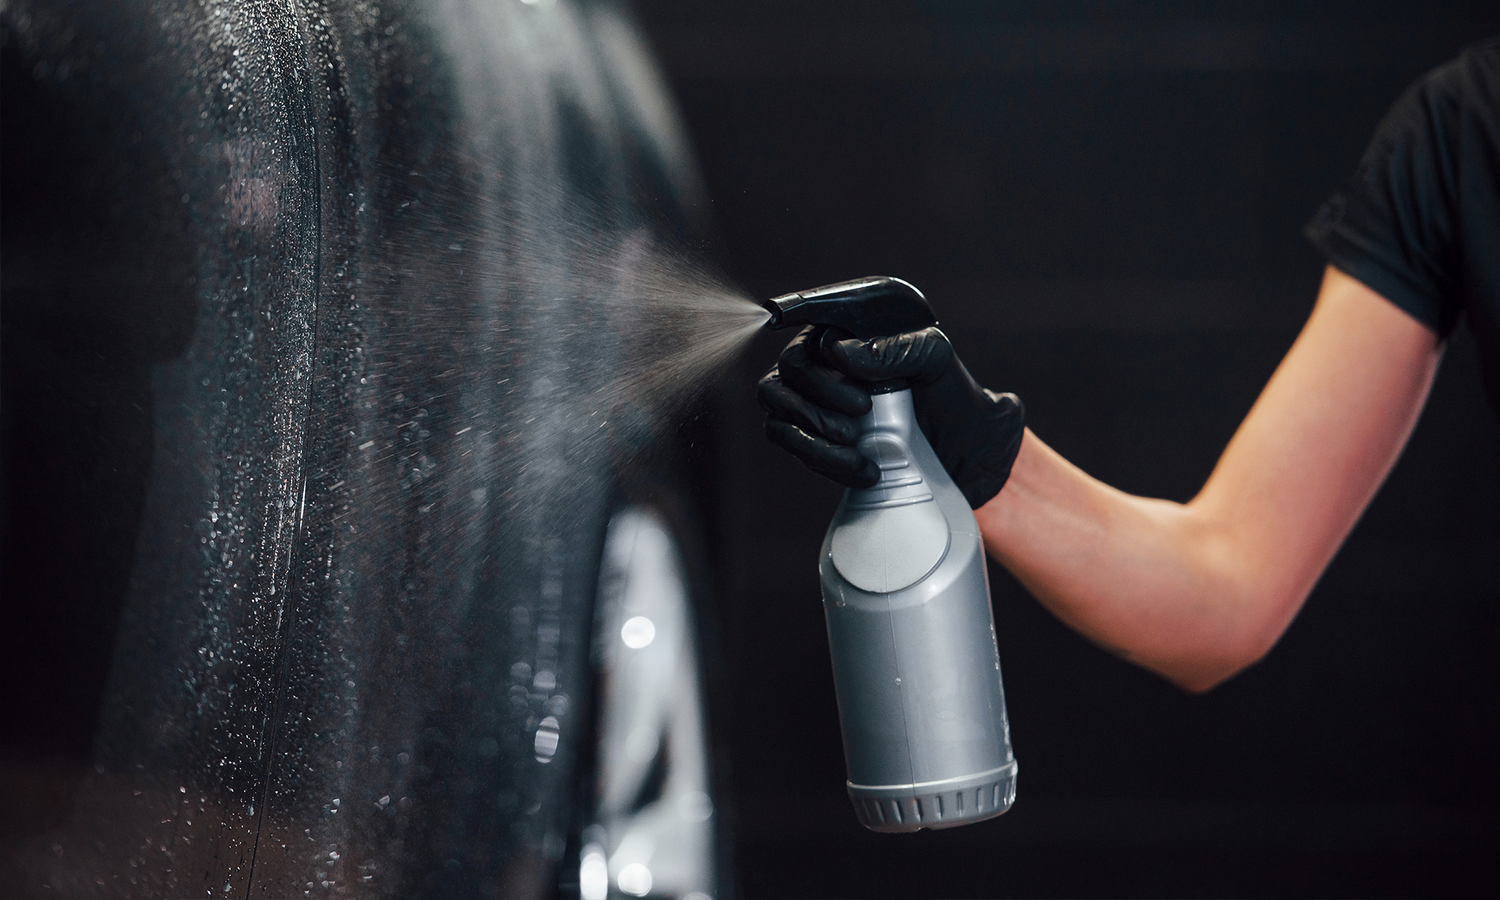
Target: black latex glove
{"points": [[815, 394]]}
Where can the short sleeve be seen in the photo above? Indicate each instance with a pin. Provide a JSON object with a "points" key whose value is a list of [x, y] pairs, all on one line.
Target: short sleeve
{"points": [[1393, 224]]}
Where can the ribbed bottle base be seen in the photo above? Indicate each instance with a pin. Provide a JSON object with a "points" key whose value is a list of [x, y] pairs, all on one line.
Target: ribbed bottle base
{"points": [[941, 804]]}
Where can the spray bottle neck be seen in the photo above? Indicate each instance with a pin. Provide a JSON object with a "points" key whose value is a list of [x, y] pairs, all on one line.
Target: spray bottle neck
{"points": [[890, 438], [891, 411], [889, 386]]}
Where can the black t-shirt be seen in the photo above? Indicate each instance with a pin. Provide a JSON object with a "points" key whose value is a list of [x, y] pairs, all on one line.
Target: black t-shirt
{"points": [[1419, 223]]}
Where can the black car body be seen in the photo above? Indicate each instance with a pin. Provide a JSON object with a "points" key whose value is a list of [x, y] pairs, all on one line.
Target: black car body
{"points": [[313, 321]]}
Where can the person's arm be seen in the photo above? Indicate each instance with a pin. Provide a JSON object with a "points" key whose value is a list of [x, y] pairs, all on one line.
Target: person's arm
{"points": [[1197, 592]]}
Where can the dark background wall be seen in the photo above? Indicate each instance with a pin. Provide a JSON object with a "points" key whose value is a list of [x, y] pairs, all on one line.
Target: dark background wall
{"points": [[1103, 201]]}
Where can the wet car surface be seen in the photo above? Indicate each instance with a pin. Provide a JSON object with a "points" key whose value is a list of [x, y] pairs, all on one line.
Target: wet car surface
{"points": [[313, 318]]}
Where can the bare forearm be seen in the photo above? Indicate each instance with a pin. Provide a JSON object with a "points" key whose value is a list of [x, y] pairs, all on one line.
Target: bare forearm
{"points": [[1198, 591], [1138, 576]]}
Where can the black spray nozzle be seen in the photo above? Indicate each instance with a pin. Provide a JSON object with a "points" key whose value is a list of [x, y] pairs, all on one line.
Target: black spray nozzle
{"points": [[866, 307]]}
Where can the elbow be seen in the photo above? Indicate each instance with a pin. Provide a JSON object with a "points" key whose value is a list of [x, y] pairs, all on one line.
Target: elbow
{"points": [[1234, 613], [1200, 677], [1203, 680], [1236, 644]]}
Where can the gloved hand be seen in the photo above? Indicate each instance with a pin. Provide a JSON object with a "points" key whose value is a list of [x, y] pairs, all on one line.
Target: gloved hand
{"points": [[815, 394]]}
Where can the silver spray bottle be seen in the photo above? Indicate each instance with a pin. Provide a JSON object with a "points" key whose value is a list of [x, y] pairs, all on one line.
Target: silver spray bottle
{"points": [[906, 595]]}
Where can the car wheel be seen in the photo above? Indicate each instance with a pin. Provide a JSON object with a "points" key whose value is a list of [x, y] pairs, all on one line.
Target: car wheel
{"points": [[650, 821]]}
